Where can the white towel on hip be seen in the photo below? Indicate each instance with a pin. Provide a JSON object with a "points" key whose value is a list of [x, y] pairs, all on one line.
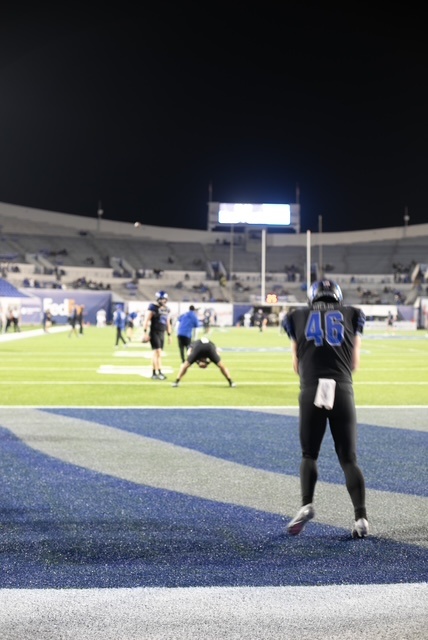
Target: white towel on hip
{"points": [[324, 397]]}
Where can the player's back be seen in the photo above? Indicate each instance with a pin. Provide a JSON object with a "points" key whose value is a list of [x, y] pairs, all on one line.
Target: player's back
{"points": [[324, 333]]}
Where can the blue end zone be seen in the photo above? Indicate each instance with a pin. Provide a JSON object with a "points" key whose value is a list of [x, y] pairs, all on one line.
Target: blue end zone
{"points": [[63, 526], [270, 442]]}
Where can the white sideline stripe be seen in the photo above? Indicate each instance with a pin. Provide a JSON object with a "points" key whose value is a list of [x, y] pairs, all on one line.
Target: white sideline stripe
{"points": [[32, 333], [262, 407], [145, 372], [386, 611], [270, 408], [190, 383]]}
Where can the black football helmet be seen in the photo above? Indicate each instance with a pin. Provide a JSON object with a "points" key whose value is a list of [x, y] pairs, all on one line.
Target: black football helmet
{"points": [[326, 291], [161, 295]]}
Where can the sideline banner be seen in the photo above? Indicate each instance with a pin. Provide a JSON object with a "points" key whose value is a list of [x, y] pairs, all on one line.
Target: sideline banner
{"points": [[60, 303]]}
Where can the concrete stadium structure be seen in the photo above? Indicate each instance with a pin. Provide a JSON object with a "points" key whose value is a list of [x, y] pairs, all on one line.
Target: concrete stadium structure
{"points": [[44, 249]]}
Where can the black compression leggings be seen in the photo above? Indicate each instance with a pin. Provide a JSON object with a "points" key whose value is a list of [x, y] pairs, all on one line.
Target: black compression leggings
{"points": [[342, 421]]}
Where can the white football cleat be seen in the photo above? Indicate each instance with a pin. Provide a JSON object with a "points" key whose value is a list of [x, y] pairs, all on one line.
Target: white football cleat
{"points": [[298, 523], [360, 529]]}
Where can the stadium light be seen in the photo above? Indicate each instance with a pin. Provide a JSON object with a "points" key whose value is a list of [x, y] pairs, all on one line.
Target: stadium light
{"points": [[100, 212]]}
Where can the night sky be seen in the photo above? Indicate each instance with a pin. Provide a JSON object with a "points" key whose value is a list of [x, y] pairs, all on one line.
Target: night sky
{"points": [[143, 108]]}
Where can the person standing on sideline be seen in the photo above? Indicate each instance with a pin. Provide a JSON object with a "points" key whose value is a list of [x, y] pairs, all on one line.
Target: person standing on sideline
{"points": [[72, 321], [206, 320], [80, 318], [46, 320], [203, 352], [130, 324], [325, 346], [10, 320], [390, 322], [156, 322], [119, 321], [15, 319], [187, 323], [260, 320]]}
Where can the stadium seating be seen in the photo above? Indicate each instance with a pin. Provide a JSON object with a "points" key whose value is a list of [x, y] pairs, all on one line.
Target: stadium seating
{"points": [[64, 251]]}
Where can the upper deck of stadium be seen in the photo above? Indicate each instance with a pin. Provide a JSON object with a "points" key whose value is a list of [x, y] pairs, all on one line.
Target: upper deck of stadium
{"points": [[55, 249]]}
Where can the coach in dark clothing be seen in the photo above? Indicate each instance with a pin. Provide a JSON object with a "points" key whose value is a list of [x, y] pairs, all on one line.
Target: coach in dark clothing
{"points": [[325, 344]]}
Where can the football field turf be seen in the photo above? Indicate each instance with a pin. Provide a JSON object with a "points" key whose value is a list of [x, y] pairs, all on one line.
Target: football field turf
{"points": [[131, 509], [56, 370]]}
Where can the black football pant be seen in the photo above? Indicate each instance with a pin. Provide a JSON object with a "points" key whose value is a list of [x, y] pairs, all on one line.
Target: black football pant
{"points": [[119, 336], [343, 426], [183, 344]]}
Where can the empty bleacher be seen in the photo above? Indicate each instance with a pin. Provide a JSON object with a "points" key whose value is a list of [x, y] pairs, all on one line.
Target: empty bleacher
{"points": [[183, 262]]}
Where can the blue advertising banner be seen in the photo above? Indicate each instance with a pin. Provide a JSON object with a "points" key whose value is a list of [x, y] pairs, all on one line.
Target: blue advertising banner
{"points": [[60, 302]]}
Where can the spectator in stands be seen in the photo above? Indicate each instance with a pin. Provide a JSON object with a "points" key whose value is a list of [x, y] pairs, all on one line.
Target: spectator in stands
{"points": [[187, 324], [156, 322], [203, 352]]}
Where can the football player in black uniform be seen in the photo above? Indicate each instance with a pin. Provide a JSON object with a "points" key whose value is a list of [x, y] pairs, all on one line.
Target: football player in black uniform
{"points": [[156, 322], [325, 345], [203, 352]]}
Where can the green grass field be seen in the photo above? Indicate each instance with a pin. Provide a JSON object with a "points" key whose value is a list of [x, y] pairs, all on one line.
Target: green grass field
{"points": [[55, 370]]}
